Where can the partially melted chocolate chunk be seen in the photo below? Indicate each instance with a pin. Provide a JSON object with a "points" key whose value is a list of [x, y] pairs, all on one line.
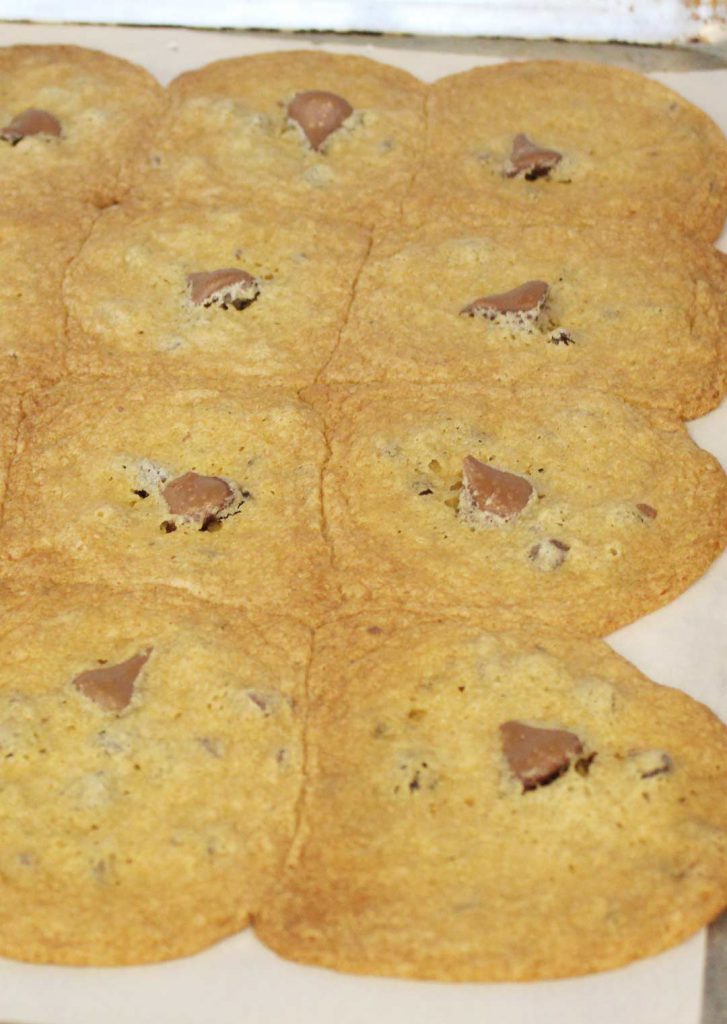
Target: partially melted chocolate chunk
{"points": [[519, 308], [539, 756], [530, 160], [319, 114], [112, 686], [491, 496], [197, 497], [30, 122], [224, 288]]}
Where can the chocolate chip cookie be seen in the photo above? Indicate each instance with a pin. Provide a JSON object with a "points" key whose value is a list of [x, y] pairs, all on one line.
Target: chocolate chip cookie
{"points": [[335, 135], [496, 807], [571, 509], [72, 122], [212, 489], [152, 758], [211, 290], [552, 304], [571, 142]]}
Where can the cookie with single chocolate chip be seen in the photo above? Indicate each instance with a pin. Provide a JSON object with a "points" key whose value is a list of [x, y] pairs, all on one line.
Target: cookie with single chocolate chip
{"points": [[213, 489], [571, 142], [36, 245], [336, 135], [570, 509], [217, 291], [151, 752], [516, 806], [552, 304], [72, 122]]}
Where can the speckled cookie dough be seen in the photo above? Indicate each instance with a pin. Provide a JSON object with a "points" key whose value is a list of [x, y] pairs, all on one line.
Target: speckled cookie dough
{"points": [[514, 807], [626, 147], [337, 135], [604, 315], [212, 489], [574, 510], [217, 291], [36, 246], [152, 759], [72, 122]]}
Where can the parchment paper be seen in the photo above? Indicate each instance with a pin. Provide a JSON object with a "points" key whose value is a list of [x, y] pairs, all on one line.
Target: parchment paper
{"points": [[239, 981]]}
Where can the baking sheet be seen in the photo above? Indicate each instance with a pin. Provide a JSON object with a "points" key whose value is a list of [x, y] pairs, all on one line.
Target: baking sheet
{"points": [[239, 981], [635, 21]]}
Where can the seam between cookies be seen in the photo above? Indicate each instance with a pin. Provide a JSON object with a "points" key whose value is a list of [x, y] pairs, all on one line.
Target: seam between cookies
{"points": [[421, 162], [347, 312]]}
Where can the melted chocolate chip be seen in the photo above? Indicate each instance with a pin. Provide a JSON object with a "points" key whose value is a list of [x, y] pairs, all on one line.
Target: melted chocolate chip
{"points": [[539, 756], [112, 687], [319, 114], [30, 122], [530, 160], [226, 287], [520, 306], [197, 497], [492, 494]]}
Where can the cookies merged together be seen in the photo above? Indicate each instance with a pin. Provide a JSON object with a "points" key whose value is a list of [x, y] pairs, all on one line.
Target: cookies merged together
{"points": [[342, 416]]}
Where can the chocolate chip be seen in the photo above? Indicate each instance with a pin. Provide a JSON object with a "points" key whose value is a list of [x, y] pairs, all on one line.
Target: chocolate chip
{"points": [[491, 495], [549, 554], [197, 497], [30, 122], [520, 307], [112, 687], [647, 510], [649, 763], [417, 774], [142, 493], [530, 159], [539, 756], [319, 114], [560, 337], [263, 701], [226, 287]]}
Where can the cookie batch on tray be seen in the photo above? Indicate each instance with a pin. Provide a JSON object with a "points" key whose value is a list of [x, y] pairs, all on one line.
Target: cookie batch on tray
{"points": [[341, 416]]}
